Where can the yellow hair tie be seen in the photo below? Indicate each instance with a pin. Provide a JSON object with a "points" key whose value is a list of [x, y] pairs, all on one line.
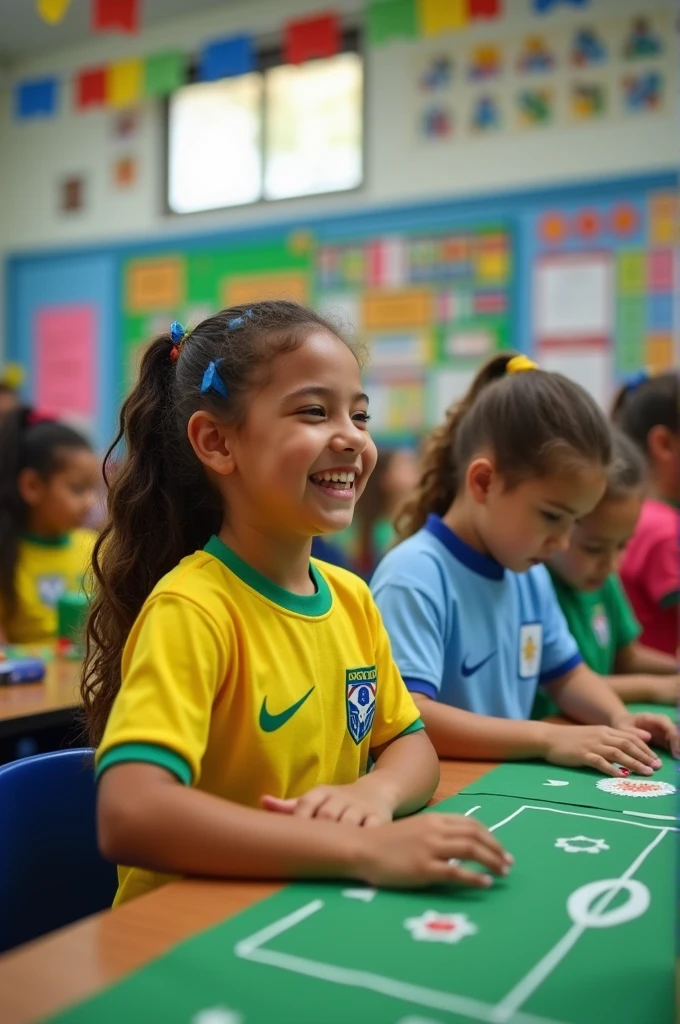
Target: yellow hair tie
{"points": [[520, 363]]}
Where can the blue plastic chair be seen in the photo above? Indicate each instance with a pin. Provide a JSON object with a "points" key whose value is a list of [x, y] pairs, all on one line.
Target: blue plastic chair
{"points": [[51, 871]]}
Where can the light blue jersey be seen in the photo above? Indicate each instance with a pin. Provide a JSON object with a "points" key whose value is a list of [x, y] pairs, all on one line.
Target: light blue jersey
{"points": [[466, 631]]}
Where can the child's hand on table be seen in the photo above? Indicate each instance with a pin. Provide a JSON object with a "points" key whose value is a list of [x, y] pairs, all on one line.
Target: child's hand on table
{"points": [[664, 690], [657, 729], [603, 746], [357, 803], [425, 850]]}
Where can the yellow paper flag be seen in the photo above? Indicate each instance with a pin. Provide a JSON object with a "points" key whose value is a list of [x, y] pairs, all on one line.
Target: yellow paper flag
{"points": [[437, 16], [124, 83], [53, 11]]}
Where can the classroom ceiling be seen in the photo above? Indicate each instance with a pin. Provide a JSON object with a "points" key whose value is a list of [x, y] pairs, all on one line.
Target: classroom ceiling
{"points": [[23, 33]]}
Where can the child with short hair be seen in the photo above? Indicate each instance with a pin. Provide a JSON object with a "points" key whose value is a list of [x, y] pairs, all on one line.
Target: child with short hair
{"points": [[597, 611], [48, 475], [648, 410], [468, 604], [234, 689]]}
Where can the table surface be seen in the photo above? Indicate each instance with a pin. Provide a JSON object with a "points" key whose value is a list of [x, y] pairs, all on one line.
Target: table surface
{"points": [[58, 692], [47, 975]]}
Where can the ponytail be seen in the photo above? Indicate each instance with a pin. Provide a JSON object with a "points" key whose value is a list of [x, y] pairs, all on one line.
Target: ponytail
{"points": [[159, 510], [439, 482], [526, 417]]}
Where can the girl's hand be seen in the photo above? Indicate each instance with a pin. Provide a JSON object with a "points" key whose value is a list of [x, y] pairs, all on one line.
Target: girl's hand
{"points": [[661, 729], [422, 851], [352, 804], [598, 746]]}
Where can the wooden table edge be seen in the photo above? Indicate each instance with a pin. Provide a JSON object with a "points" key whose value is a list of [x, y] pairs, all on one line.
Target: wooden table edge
{"points": [[70, 965]]}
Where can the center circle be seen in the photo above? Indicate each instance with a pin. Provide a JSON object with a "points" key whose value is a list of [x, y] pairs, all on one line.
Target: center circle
{"points": [[579, 904]]}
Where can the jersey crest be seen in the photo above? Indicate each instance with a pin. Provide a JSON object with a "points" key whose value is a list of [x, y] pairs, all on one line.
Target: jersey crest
{"points": [[530, 649], [600, 624], [360, 690], [50, 589]]}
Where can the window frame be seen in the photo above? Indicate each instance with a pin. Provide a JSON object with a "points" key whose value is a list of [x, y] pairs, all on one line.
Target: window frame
{"points": [[265, 59]]}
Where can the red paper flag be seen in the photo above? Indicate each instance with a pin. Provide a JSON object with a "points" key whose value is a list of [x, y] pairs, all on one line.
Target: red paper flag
{"points": [[91, 88], [115, 15], [485, 8], [311, 37]]}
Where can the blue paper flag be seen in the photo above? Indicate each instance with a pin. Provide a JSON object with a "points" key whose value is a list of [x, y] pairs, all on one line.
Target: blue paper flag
{"points": [[543, 6], [36, 98], [224, 58]]}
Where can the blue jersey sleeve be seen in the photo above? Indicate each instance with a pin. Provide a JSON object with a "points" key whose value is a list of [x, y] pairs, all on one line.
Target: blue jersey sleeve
{"points": [[560, 651], [413, 615]]}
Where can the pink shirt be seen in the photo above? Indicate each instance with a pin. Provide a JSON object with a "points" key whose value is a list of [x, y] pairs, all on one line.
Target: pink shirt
{"points": [[650, 571]]}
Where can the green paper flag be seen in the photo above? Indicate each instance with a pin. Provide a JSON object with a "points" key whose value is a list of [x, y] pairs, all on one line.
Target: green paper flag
{"points": [[164, 72], [391, 19]]}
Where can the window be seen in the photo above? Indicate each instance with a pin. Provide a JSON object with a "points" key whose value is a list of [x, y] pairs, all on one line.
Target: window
{"points": [[281, 131]]}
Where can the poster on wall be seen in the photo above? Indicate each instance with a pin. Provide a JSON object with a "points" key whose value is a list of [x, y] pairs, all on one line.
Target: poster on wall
{"points": [[603, 287], [64, 357]]}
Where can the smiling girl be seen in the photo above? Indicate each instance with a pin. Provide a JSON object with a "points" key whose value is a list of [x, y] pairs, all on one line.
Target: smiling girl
{"points": [[234, 687]]}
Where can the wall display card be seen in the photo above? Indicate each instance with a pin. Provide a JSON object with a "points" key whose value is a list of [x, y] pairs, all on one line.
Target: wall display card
{"points": [[573, 297], [241, 289], [155, 284], [64, 357]]}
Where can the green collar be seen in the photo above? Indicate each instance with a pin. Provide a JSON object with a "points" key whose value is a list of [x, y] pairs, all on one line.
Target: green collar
{"points": [[47, 542], [313, 605]]}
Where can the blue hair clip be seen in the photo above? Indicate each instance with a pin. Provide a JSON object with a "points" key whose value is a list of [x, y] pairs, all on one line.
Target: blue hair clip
{"points": [[212, 382], [177, 332], [238, 320], [636, 379]]}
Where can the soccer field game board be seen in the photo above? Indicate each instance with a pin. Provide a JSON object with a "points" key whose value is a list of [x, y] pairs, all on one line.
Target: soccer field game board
{"points": [[581, 932]]}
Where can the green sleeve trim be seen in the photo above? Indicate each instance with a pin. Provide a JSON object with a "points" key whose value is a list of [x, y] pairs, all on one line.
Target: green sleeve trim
{"points": [[150, 753], [414, 727], [670, 599]]}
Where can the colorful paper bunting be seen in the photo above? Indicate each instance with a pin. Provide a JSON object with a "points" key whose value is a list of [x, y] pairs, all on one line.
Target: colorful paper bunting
{"points": [[52, 11], [437, 16], [311, 38], [223, 58], [543, 6], [391, 19], [124, 83], [485, 8], [164, 72], [90, 88], [36, 98], [115, 16]]}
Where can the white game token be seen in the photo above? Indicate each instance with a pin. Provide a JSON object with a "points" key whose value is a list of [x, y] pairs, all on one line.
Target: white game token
{"points": [[635, 787], [581, 844], [435, 927]]}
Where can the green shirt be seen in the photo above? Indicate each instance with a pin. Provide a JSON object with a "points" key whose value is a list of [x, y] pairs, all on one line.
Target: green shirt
{"points": [[601, 621]]}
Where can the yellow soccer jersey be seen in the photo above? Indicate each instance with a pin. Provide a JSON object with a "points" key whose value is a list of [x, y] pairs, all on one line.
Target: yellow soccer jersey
{"points": [[45, 570], [241, 688]]}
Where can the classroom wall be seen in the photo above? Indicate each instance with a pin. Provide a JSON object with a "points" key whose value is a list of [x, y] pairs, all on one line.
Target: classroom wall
{"points": [[34, 156], [469, 179]]}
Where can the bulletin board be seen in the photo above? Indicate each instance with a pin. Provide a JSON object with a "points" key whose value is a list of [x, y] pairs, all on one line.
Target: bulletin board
{"points": [[602, 278], [427, 305], [580, 276], [190, 285]]}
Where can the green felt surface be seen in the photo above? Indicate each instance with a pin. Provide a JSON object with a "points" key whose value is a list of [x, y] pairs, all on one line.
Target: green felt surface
{"points": [[535, 781], [314, 955]]}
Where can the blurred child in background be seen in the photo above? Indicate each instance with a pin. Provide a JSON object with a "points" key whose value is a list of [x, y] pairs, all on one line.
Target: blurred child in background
{"points": [[597, 611], [394, 480], [472, 616], [648, 410], [48, 475]]}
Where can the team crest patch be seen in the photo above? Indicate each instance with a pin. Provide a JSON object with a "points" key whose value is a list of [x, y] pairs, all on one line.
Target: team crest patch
{"points": [[601, 625], [361, 685], [530, 649], [50, 589]]}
